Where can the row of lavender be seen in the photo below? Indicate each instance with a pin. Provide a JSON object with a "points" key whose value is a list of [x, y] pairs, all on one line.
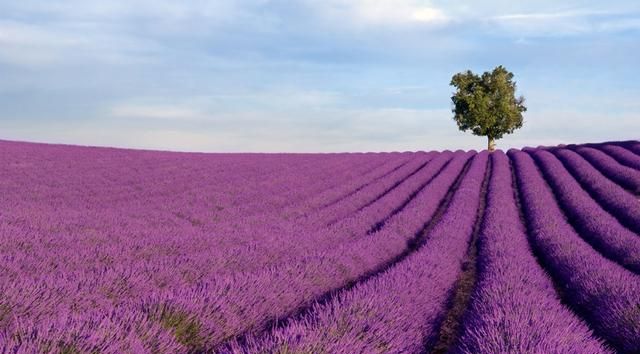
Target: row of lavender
{"points": [[599, 289], [584, 247], [118, 280], [366, 318], [515, 307], [507, 314], [358, 243]]}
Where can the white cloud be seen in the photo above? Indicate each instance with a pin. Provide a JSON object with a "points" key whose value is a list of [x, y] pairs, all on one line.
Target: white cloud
{"points": [[225, 107], [283, 98], [566, 126], [532, 24], [26, 44], [429, 14], [328, 130], [383, 12], [620, 25], [163, 112], [38, 45], [17, 33], [167, 10], [179, 140], [563, 23], [542, 16], [298, 76]]}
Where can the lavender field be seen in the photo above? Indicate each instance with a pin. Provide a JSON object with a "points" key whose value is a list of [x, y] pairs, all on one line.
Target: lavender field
{"points": [[127, 251]]}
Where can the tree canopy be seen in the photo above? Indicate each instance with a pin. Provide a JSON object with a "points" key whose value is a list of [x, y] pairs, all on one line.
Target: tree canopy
{"points": [[487, 104]]}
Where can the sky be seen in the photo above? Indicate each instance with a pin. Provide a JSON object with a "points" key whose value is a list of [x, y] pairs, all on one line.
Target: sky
{"points": [[310, 76]]}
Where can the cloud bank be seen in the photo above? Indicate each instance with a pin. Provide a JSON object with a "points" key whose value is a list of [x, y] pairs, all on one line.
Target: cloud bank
{"points": [[336, 75]]}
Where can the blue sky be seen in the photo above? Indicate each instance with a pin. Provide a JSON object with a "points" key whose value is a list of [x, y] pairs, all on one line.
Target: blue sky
{"points": [[301, 76]]}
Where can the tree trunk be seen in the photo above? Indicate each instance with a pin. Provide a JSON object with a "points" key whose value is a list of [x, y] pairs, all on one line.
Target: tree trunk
{"points": [[492, 144]]}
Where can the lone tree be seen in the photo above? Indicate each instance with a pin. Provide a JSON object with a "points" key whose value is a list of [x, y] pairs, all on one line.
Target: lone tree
{"points": [[487, 104]]}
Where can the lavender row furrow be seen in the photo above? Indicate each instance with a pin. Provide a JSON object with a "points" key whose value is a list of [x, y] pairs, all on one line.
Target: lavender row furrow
{"points": [[114, 250], [101, 334], [373, 217], [400, 309], [330, 174], [514, 307], [594, 224], [622, 155], [602, 291], [346, 187], [617, 201], [284, 289], [213, 218], [301, 239], [236, 252], [389, 187], [625, 176], [632, 145], [351, 187], [219, 307]]}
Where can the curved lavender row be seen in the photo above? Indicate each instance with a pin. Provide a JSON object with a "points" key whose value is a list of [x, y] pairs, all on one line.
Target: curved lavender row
{"points": [[514, 308], [83, 228], [372, 217], [147, 170], [594, 224], [193, 264], [350, 187], [388, 187], [605, 293], [251, 301], [625, 176], [395, 311], [182, 206], [99, 335], [622, 155], [632, 145], [299, 240], [294, 240], [346, 168], [635, 147], [347, 187], [611, 196], [220, 307]]}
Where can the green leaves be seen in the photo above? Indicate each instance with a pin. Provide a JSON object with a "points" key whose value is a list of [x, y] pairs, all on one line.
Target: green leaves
{"points": [[486, 105]]}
